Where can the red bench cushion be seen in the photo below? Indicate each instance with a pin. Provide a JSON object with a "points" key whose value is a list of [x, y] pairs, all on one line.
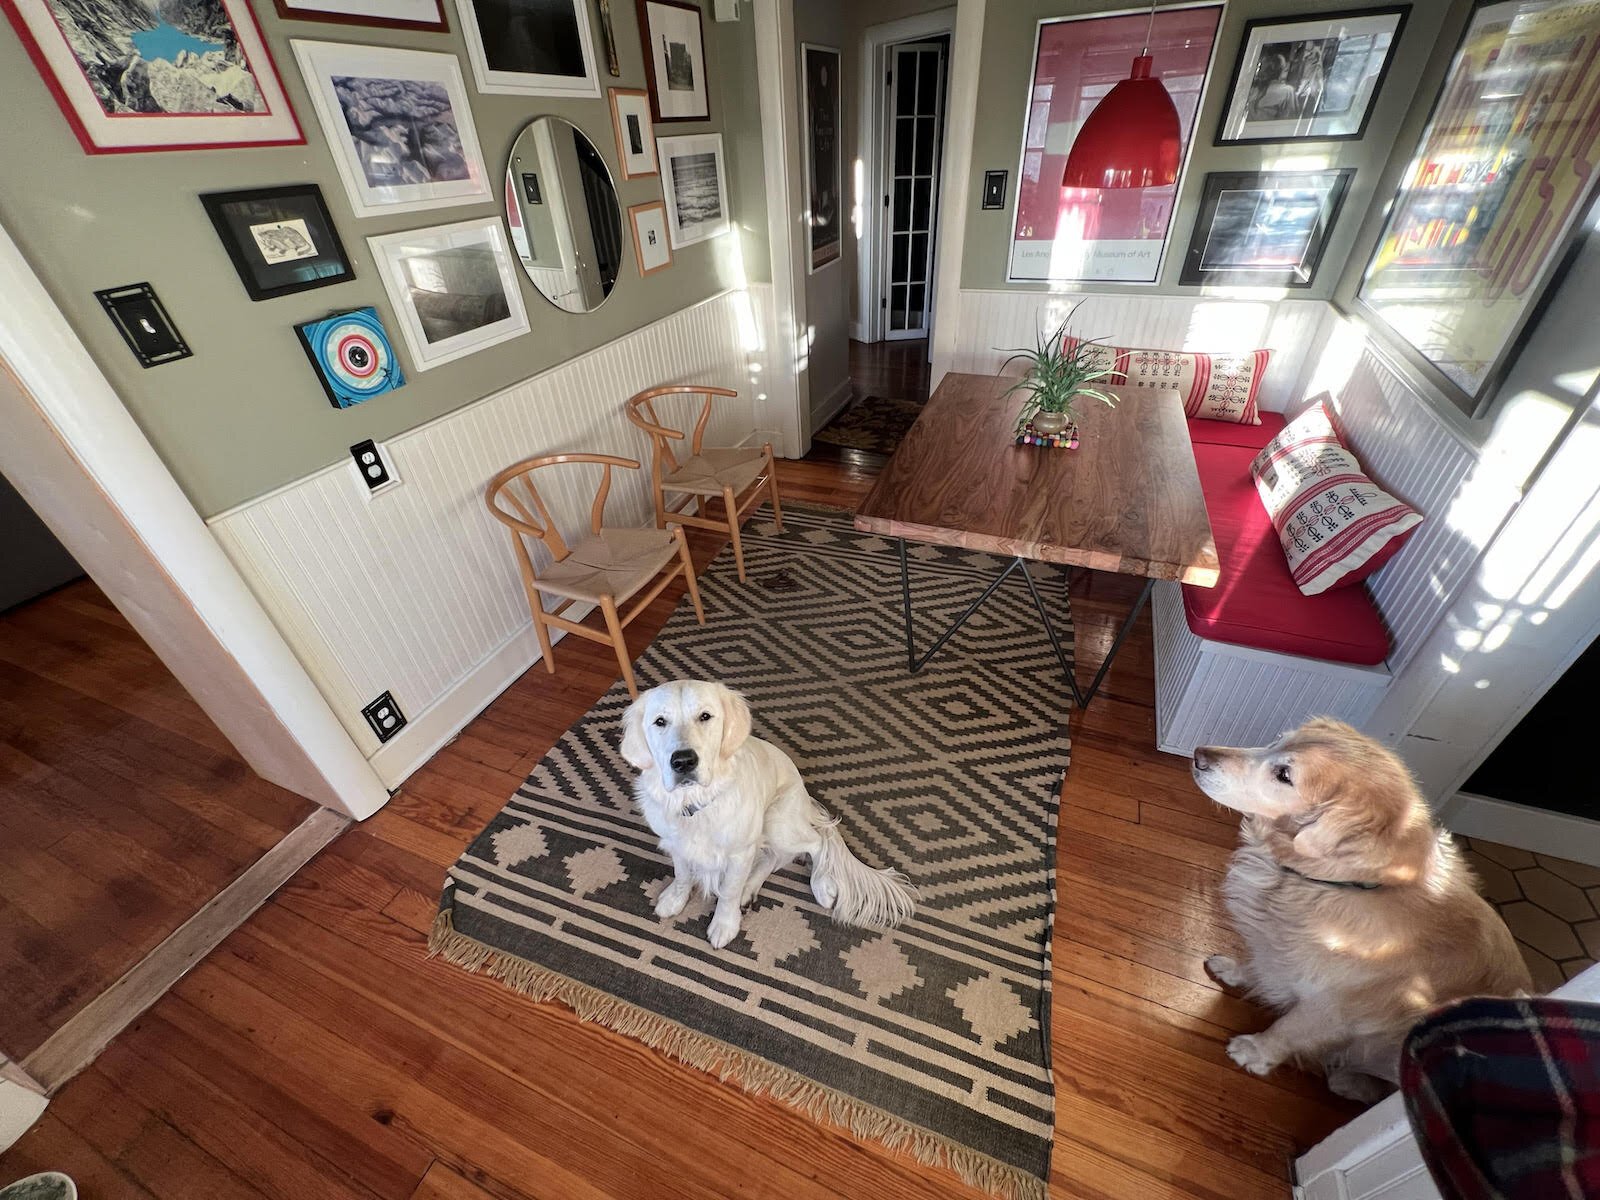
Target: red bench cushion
{"points": [[1204, 431], [1256, 602]]}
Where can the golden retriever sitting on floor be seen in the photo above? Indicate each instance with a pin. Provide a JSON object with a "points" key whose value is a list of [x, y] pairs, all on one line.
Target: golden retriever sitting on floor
{"points": [[1356, 910]]}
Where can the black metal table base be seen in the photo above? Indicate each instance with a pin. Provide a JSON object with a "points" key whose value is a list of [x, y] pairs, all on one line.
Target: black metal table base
{"points": [[1081, 696]]}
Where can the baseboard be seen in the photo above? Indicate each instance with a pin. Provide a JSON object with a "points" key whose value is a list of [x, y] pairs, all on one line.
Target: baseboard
{"points": [[831, 404], [858, 331], [1535, 829]]}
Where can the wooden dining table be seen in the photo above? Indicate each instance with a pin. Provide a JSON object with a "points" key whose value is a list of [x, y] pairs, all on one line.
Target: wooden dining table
{"points": [[1126, 500]]}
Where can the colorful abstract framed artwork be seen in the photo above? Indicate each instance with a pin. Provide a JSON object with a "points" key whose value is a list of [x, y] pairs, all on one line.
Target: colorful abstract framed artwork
{"points": [[530, 47], [424, 15], [1101, 234], [352, 356], [1311, 79], [133, 77], [281, 240], [1484, 217], [1264, 228], [674, 60], [398, 125]]}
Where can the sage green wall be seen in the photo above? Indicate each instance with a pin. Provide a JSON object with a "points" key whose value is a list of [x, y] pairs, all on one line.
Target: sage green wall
{"points": [[1007, 67], [246, 414]]}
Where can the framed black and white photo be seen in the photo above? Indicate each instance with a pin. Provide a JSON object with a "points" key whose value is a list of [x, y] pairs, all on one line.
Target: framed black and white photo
{"points": [[530, 47], [824, 170], [1264, 228], [281, 239], [651, 241], [1312, 79], [674, 60], [426, 15], [398, 126], [453, 287], [695, 186], [636, 139]]}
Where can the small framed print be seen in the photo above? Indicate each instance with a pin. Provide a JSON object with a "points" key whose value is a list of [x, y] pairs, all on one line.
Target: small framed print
{"points": [[142, 321], [281, 240], [352, 356], [636, 139], [695, 186], [651, 241], [424, 15], [674, 60], [1309, 79], [530, 47], [1267, 228]]}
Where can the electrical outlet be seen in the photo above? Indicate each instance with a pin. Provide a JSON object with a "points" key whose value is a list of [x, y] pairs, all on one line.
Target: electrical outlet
{"points": [[385, 717], [375, 472]]}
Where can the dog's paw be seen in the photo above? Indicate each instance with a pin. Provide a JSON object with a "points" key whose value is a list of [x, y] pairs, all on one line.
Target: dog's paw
{"points": [[825, 890], [672, 899], [1225, 971], [723, 929], [1247, 1051]]}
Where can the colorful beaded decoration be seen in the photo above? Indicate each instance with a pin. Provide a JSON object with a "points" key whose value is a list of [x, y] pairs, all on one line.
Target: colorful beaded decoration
{"points": [[1067, 439]]}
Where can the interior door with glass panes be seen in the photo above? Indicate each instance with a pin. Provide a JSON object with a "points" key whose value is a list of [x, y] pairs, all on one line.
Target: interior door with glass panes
{"points": [[911, 186]]}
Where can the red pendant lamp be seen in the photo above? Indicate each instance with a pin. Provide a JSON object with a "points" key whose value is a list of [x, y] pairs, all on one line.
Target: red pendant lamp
{"points": [[1131, 139]]}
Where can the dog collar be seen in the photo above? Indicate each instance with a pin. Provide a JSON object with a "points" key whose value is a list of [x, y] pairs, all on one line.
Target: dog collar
{"points": [[1344, 883]]}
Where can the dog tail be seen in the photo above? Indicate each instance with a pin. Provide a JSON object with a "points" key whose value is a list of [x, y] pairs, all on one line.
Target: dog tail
{"points": [[865, 896]]}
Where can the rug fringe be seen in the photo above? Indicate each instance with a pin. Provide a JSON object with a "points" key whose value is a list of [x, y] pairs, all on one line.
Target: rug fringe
{"points": [[731, 1065]]}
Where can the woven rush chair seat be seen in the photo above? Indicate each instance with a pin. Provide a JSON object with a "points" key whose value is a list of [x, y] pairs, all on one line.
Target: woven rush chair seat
{"points": [[712, 470], [613, 562]]}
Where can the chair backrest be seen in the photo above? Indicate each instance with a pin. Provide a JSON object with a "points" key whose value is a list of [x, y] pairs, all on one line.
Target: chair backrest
{"points": [[642, 412], [528, 515]]}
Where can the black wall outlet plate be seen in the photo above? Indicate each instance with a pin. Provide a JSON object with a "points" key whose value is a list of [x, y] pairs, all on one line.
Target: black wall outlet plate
{"points": [[385, 717]]}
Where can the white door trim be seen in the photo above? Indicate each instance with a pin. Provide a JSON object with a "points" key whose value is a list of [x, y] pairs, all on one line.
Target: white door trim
{"points": [[75, 454], [960, 120]]}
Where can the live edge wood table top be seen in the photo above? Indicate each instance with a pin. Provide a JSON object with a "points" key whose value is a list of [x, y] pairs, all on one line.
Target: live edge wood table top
{"points": [[1127, 500]]}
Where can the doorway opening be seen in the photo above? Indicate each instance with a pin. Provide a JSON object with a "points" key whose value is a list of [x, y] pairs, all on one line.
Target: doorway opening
{"points": [[913, 145]]}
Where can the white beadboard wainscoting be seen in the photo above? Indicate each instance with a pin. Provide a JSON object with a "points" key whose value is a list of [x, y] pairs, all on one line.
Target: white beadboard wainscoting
{"points": [[992, 321], [415, 590]]}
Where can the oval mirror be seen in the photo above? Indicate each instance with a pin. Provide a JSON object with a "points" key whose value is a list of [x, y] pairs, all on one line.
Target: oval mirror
{"points": [[562, 212]]}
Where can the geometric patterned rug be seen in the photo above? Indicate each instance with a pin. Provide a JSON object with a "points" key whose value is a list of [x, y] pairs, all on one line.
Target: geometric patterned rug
{"points": [[875, 423], [933, 1037]]}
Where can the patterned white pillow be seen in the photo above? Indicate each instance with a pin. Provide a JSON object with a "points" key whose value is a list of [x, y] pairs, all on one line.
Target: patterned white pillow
{"points": [[1218, 387], [1310, 428]]}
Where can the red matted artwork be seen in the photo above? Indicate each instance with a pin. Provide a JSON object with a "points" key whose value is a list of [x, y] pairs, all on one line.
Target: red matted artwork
{"points": [[132, 76], [1115, 234]]}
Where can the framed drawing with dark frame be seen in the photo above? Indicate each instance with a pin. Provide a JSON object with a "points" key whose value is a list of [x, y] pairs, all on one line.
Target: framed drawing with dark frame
{"points": [[1309, 79], [1483, 223], [132, 77], [1266, 228], [636, 138], [425, 16], [281, 239], [819, 101], [652, 245], [530, 47], [674, 60]]}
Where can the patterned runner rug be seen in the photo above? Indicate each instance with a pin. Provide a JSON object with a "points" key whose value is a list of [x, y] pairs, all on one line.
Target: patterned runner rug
{"points": [[933, 1037], [876, 423]]}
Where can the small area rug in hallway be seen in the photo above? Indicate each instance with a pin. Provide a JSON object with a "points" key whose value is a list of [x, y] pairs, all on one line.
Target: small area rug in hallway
{"points": [[933, 1037], [875, 423]]}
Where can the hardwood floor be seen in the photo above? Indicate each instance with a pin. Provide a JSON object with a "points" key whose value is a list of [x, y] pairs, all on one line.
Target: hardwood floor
{"points": [[894, 369], [122, 808], [319, 1052]]}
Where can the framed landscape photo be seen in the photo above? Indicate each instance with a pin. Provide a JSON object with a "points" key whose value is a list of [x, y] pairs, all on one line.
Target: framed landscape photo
{"points": [[1310, 79], [651, 241], [281, 240], [824, 171], [695, 186], [636, 139], [530, 47], [398, 126], [453, 287], [1264, 228], [140, 76], [674, 60], [425, 15]]}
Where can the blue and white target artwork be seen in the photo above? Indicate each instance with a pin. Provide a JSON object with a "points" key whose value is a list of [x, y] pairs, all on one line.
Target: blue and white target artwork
{"points": [[352, 356]]}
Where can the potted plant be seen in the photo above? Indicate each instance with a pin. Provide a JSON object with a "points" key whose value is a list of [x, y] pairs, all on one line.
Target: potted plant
{"points": [[1061, 371]]}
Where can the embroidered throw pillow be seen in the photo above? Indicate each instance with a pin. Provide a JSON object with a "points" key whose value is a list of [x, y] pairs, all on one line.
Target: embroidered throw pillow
{"points": [[1218, 387], [1311, 427]]}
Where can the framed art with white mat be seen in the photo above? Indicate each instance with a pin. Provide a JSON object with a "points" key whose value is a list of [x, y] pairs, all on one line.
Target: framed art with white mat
{"points": [[651, 242], [423, 15], [530, 47], [695, 187], [398, 126], [636, 139], [674, 60], [199, 79], [453, 287]]}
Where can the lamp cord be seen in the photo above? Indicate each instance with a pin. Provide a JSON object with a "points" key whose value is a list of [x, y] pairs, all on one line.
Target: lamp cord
{"points": [[1150, 28]]}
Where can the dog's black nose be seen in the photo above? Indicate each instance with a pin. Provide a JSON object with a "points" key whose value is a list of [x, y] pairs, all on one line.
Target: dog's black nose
{"points": [[684, 761], [1204, 760]]}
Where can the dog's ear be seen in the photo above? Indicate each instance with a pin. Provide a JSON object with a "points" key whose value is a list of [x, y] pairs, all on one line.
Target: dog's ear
{"points": [[735, 721], [635, 749]]}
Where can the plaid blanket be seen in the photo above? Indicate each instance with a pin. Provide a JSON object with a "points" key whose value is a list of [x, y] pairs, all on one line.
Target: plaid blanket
{"points": [[1504, 1097]]}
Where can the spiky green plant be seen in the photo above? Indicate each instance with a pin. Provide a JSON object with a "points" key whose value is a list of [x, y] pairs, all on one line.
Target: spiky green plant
{"points": [[1057, 376]]}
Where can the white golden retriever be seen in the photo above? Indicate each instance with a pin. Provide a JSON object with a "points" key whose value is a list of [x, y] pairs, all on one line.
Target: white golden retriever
{"points": [[730, 809], [1357, 912]]}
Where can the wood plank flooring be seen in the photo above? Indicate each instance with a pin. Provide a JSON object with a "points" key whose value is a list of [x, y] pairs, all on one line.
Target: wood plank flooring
{"points": [[122, 808], [319, 1052]]}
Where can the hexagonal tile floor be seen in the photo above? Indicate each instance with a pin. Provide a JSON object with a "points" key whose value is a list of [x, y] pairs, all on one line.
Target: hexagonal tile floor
{"points": [[1551, 905]]}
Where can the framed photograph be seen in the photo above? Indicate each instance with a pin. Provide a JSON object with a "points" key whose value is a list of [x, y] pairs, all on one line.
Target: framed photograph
{"points": [[819, 101], [1483, 221], [425, 15], [674, 60], [131, 77], [398, 126], [530, 47], [352, 356], [1264, 228], [1116, 235], [281, 240], [636, 139], [1309, 80], [695, 187], [454, 289], [651, 242]]}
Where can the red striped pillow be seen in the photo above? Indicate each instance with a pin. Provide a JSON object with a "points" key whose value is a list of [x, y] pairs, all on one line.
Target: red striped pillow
{"points": [[1218, 387]]}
